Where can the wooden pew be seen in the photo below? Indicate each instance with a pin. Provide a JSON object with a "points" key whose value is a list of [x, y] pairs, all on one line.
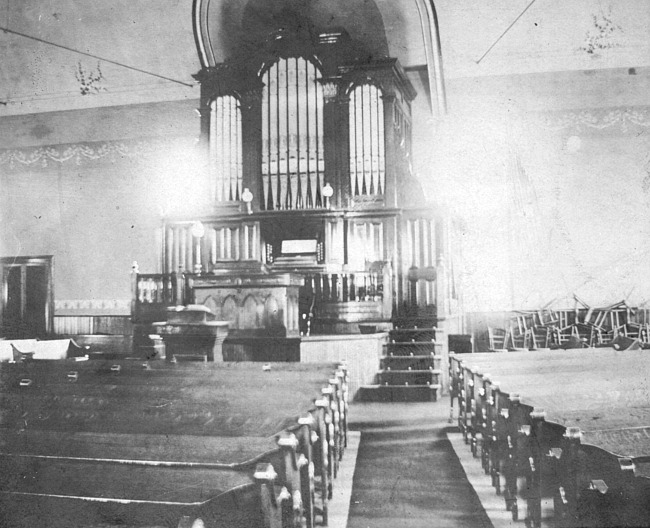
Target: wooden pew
{"points": [[511, 406], [194, 381], [77, 492], [534, 453], [80, 406], [130, 486], [131, 415]]}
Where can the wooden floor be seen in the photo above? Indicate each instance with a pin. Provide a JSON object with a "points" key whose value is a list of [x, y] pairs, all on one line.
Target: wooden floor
{"points": [[407, 474]]}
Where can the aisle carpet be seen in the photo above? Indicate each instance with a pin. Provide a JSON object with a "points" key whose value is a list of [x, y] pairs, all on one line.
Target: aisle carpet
{"points": [[407, 474]]}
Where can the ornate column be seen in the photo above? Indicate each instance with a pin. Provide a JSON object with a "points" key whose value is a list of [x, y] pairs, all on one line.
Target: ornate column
{"points": [[336, 134], [391, 142], [251, 109]]}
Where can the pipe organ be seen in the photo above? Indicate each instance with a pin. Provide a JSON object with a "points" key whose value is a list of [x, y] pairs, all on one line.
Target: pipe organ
{"points": [[308, 141]]}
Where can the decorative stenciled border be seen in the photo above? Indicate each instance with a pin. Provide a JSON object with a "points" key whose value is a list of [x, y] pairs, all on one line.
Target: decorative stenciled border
{"points": [[624, 119], [81, 153], [92, 307]]}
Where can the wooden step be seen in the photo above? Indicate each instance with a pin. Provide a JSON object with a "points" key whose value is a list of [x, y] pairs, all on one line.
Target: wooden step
{"points": [[413, 334], [409, 377], [413, 348], [419, 318], [410, 362], [398, 393]]}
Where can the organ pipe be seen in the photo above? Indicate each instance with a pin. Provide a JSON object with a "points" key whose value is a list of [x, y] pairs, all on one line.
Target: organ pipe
{"points": [[367, 149], [226, 148], [292, 135]]}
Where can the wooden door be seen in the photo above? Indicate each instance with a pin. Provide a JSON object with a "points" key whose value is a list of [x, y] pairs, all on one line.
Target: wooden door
{"points": [[26, 309]]}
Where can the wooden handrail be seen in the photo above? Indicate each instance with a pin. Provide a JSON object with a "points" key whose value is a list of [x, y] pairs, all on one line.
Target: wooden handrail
{"points": [[153, 293]]}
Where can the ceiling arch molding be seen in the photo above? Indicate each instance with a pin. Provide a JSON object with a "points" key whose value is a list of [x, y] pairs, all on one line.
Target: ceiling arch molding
{"points": [[218, 28]]}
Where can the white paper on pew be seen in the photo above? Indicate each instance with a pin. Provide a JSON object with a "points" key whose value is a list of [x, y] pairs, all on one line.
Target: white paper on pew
{"points": [[24, 345]]}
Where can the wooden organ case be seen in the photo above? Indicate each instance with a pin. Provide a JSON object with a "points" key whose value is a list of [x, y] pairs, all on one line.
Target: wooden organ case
{"points": [[308, 140]]}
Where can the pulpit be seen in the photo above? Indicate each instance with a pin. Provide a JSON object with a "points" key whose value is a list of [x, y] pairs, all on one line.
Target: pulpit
{"points": [[260, 307], [192, 332]]}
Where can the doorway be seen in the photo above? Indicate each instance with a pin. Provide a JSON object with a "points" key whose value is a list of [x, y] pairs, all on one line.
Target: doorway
{"points": [[26, 310]]}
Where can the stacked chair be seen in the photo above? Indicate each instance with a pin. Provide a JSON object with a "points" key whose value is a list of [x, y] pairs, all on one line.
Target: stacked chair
{"points": [[583, 326]]}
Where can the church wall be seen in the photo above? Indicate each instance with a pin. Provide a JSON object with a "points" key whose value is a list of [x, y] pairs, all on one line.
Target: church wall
{"points": [[550, 174], [122, 122], [91, 188]]}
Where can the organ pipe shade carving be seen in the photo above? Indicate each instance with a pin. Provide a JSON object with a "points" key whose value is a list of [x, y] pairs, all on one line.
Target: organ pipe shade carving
{"points": [[226, 148], [292, 135], [367, 150]]}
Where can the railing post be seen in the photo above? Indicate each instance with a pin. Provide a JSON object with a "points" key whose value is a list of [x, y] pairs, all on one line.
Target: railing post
{"points": [[134, 291], [179, 291], [387, 290]]}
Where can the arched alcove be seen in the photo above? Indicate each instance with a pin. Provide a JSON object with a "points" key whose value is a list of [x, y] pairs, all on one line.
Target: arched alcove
{"points": [[403, 29], [227, 29]]}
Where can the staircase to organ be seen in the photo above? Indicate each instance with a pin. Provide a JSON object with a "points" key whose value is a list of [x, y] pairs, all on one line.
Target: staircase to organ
{"points": [[410, 369]]}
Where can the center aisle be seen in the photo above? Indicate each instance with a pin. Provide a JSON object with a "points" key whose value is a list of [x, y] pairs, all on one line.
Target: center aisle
{"points": [[407, 474]]}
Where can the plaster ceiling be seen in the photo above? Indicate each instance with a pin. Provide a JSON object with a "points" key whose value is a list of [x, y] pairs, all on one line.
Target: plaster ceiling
{"points": [[157, 36]]}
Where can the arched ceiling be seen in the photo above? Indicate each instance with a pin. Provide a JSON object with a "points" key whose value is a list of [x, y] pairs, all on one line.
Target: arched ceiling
{"points": [[546, 38], [231, 28]]}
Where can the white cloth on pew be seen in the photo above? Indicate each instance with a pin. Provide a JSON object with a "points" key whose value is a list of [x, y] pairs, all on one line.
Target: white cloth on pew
{"points": [[24, 345], [54, 349]]}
